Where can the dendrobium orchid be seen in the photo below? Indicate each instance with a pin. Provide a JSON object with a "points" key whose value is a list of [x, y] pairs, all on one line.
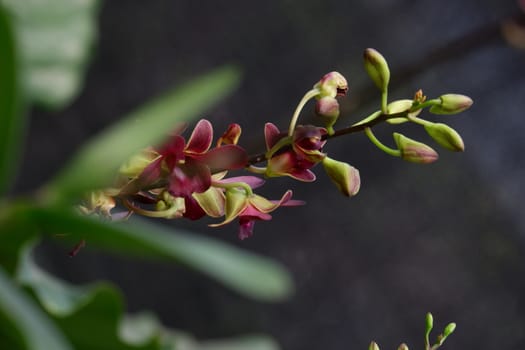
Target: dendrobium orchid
{"points": [[249, 207], [305, 152], [189, 178]]}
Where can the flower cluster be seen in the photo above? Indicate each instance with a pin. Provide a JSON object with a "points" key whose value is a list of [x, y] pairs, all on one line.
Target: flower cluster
{"points": [[189, 177]]}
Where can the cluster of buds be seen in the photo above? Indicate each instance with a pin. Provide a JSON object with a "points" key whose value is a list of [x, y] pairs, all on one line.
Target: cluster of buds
{"points": [[188, 178], [429, 324]]}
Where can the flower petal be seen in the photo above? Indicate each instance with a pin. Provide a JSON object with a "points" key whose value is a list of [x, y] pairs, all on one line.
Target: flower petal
{"points": [[185, 179], [211, 201], [253, 212], [252, 181], [271, 135], [246, 228], [193, 209], [265, 206], [236, 202], [201, 137], [228, 157], [288, 164], [173, 151]]}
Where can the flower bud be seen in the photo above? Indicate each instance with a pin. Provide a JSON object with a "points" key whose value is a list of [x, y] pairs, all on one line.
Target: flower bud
{"points": [[332, 84], [377, 68], [402, 346], [328, 109], [414, 151], [401, 106], [373, 346], [449, 329], [429, 322], [343, 175], [445, 136], [451, 104]]}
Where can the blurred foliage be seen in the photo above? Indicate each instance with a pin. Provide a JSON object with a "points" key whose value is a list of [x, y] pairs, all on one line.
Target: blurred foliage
{"points": [[55, 38], [45, 48]]}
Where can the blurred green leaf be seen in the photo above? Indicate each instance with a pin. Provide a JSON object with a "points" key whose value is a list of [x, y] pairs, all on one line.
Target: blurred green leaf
{"points": [[96, 164], [36, 330], [256, 277], [12, 121], [56, 39], [247, 342], [88, 315], [84, 311]]}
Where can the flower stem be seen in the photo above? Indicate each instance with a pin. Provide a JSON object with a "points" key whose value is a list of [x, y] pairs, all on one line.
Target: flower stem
{"points": [[384, 102], [308, 96], [384, 148]]}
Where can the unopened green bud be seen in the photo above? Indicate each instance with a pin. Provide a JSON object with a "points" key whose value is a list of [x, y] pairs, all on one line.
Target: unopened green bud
{"points": [[377, 68], [332, 84], [451, 104], [414, 151], [449, 329], [328, 109], [429, 322], [343, 175], [402, 346], [445, 136], [373, 346], [401, 106]]}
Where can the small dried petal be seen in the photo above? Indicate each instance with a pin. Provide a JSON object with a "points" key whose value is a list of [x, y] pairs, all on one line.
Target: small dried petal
{"points": [[230, 136]]}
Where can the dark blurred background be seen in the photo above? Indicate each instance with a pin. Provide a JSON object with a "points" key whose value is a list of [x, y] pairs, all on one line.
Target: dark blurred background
{"points": [[447, 238]]}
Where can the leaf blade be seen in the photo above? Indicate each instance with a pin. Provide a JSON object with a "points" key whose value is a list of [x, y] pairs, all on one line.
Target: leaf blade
{"points": [[12, 121], [249, 274], [38, 331], [146, 126]]}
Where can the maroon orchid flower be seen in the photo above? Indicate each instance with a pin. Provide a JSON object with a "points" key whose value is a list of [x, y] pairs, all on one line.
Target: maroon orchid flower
{"points": [[307, 142], [187, 166]]}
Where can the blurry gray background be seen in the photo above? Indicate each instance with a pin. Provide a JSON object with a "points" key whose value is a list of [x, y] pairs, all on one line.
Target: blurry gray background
{"points": [[447, 238]]}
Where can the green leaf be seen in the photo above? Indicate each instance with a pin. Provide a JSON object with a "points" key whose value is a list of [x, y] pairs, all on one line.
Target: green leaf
{"points": [[82, 311], [252, 275], [12, 121], [56, 39], [36, 330], [96, 164]]}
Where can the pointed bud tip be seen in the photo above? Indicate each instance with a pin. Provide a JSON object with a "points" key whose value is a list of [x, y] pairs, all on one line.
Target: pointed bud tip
{"points": [[445, 136], [377, 68], [402, 346], [343, 175], [373, 346], [449, 329], [429, 321], [452, 104]]}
